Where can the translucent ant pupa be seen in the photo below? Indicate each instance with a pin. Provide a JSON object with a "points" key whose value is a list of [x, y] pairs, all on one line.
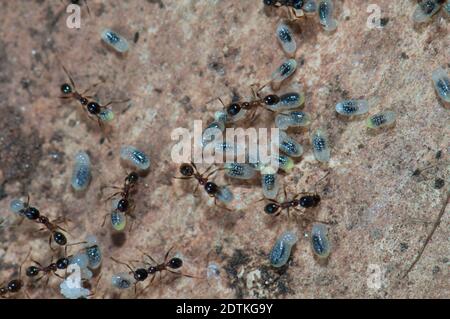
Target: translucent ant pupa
{"points": [[325, 11], [292, 119], [239, 170], [269, 182], [381, 119], [115, 40], [281, 250], [441, 84], [288, 145], [425, 9], [285, 70], [319, 240], [81, 175], [352, 107], [321, 146], [286, 39]]}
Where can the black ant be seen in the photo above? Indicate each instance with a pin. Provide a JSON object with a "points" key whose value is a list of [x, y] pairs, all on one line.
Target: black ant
{"points": [[32, 213], [100, 112], [189, 171], [308, 200], [125, 204], [141, 274], [14, 285], [234, 108]]}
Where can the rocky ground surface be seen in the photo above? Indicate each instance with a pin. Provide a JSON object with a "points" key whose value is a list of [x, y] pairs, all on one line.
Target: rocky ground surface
{"points": [[184, 54]]}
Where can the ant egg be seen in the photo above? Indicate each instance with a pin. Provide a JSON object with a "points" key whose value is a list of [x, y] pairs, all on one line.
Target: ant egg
{"points": [[319, 240], [239, 170], [115, 40], [288, 101], [289, 146], [310, 6], [292, 119], [441, 84], [425, 9], [286, 39], [325, 10], [135, 157], [122, 280], [16, 206], [224, 195], [285, 162], [352, 107], [106, 115], [284, 71], [281, 251], [269, 181], [320, 145], [93, 252], [81, 175], [381, 119]]}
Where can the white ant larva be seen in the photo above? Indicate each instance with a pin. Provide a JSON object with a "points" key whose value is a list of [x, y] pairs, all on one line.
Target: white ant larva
{"points": [[425, 9], [292, 119], [319, 240], [320, 145], [325, 10], [239, 170], [281, 250], [81, 175], [269, 182], [285, 70], [115, 40], [352, 107], [286, 39], [381, 119], [289, 146], [441, 84], [134, 157]]}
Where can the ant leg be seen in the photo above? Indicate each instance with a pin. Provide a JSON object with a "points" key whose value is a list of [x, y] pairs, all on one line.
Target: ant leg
{"points": [[122, 263], [220, 206], [182, 177], [50, 242], [115, 102], [147, 255], [167, 254], [70, 78], [181, 274], [112, 196], [194, 166], [23, 262]]}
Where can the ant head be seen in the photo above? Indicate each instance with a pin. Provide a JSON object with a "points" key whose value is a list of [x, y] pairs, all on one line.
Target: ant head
{"points": [[31, 213], [233, 109], [122, 205], [59, 238], [152, 270], [140, 274], [132, 178], [66, 88], [211, 188], [15, 285], [62, 263], [298, 4], [186, 170], [271, 208], [32, 271], [94, 108], [175, 263], [271, 99]]}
